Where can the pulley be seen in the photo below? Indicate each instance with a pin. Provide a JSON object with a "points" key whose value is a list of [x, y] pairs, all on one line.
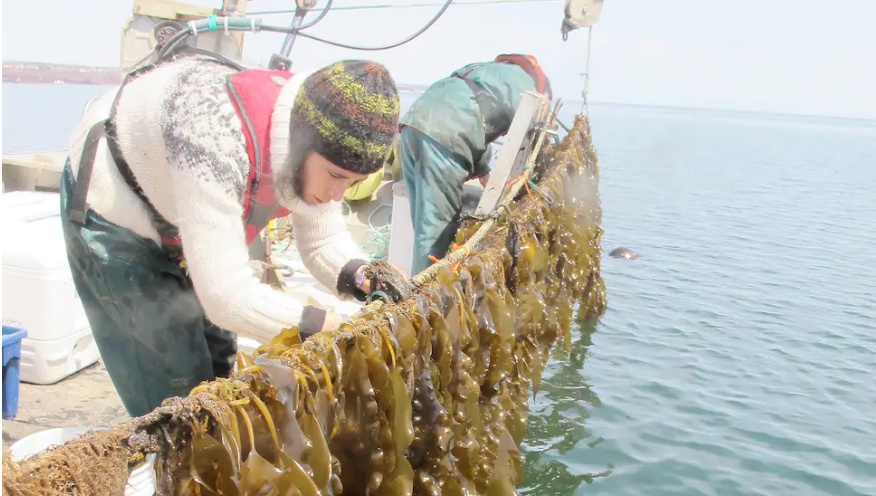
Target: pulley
{"points": [[305, 5], [163, 31], [580, 14]]}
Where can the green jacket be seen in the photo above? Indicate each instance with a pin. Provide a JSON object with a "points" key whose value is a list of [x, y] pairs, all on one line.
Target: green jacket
{"points": [[448, 113]]}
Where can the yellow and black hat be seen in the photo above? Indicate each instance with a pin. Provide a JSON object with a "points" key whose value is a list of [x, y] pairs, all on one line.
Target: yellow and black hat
{"points": [[353, 108]]}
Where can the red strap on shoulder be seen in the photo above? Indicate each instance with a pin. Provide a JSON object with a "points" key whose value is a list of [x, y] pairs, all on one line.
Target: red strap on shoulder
{"points": [[529, 64], [253, 94]]}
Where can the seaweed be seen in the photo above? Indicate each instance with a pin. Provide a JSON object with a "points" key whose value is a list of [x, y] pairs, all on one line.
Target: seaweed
{"points": [[426, 396]]}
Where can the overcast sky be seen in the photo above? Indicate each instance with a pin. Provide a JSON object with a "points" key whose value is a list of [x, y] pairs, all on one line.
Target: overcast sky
{"points": [[797, 56]]}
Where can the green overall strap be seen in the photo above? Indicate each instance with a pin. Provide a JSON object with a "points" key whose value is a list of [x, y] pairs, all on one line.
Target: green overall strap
{"points": [[463, 73], [478, 91], [79, 202]]}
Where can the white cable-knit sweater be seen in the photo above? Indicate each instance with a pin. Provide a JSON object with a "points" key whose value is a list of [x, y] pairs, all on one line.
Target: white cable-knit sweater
{"points": [[178, 131]]}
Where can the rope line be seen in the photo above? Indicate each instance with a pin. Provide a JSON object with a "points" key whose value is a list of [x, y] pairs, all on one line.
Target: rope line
{"points": [[585, 107], [377, 245]]}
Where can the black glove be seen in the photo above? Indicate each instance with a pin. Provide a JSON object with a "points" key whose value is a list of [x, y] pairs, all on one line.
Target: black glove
{"points": [[386, 282]]}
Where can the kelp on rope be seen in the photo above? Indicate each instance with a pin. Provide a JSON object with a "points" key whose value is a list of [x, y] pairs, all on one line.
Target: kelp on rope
{"points": [[428, 396]]}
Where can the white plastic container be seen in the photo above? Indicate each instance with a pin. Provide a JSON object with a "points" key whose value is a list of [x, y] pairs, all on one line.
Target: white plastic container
{"points": [[38, 290], [401, 239], [141, 482], [47, 362]]}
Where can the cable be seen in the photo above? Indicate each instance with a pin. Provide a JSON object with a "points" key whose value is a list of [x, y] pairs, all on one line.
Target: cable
{"points": [[563, 126], [585, 108], [380, 236], [144, 59], [172, 42], [256, 26], [362, 48], [319, 17], [298, 26], [397, 6], [292, 36], [211, 23]]}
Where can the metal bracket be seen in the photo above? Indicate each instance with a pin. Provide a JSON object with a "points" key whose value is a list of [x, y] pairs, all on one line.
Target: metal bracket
{"points": [[290, 37], [510, 162], [272, 277], [279, 63]]}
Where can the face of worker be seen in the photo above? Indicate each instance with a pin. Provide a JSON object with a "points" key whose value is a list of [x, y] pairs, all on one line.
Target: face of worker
{"points": [[323, 181]]}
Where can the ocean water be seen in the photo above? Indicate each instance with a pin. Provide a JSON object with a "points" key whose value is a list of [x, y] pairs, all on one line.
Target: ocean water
{"points": [[738, 354], [39, 117]]}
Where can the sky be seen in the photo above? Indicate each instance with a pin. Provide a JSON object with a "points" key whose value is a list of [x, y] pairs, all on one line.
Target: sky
{"points": [[787, 56]]}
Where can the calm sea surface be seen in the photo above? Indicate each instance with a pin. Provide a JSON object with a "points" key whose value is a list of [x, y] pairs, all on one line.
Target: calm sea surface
{"points": [[738, 354]]}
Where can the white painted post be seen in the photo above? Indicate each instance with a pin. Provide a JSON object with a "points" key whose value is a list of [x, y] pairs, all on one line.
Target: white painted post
{"points": [[530, 104], [401, 237]]}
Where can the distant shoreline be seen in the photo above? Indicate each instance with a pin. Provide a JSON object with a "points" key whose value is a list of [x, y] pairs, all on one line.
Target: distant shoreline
{"points": [[41, 73], [46, 73]]}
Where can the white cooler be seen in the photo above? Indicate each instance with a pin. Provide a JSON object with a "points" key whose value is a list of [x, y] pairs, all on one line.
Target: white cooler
{"points": [[38, 291]]}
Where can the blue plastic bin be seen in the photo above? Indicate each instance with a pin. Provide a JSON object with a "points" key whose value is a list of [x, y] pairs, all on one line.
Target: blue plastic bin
{"points": [[12, 337]]}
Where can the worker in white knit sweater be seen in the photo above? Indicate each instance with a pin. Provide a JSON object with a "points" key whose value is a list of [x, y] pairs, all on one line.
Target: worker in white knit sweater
{"points": [[170, 177]]}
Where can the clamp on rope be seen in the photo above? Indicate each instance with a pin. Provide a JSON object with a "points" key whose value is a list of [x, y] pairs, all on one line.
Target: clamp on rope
{"points": [[515, 180], [378, 294], [497, 212], [494, 215], [539, 191], [466, 248], [211, 23], [455, 266], [193, 27], [225, 22], [542, 126], [479, 218], [523, 177]]}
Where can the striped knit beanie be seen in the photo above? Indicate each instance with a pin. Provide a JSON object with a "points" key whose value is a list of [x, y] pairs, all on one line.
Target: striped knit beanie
{"points": [[352, 106]]}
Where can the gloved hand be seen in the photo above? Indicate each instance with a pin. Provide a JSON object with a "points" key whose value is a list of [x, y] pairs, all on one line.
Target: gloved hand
{"points": [[385, 279]]}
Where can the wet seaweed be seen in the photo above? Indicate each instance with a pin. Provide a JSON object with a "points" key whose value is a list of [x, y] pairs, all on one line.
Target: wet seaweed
{"points": [[427, 396]]}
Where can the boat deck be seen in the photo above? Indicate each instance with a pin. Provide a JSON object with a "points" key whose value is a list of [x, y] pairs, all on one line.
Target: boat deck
{"points": [[30, 171]]}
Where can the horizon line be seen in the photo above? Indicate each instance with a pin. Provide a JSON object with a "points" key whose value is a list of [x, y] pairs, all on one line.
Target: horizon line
{"points": [[419, 87]]}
